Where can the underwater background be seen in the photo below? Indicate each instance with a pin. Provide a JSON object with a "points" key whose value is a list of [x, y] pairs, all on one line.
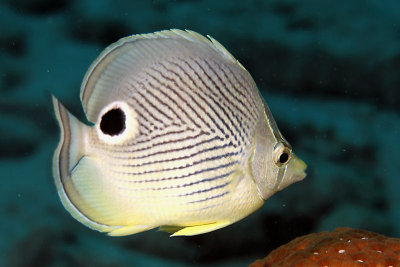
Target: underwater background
{"points": [[329, 71]]}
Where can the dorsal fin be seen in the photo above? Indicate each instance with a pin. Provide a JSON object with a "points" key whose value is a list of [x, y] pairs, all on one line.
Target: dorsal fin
{"points": [[124, 59]]}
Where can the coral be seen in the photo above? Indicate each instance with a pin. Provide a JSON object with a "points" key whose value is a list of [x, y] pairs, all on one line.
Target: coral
{"points": [[342, 247]]}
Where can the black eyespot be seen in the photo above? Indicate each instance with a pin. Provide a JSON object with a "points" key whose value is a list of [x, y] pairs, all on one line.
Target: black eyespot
{"points": [[113, 122], [283, 158]]}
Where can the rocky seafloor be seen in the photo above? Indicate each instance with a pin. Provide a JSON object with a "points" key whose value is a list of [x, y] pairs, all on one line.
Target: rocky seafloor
{"points": [[329, 70]]}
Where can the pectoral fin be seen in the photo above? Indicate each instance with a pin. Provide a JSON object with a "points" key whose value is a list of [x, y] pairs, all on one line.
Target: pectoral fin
{"points": [[201, 229]]}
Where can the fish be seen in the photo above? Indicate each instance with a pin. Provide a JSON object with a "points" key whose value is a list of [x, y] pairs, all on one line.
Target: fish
{"points": [[177, 137]]}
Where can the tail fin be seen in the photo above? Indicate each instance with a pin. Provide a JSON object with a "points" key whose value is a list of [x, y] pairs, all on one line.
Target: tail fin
{"points": [[70, 153]]}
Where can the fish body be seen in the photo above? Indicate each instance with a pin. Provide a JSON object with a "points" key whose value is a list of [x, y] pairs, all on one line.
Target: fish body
{"points": [[181, 139]]}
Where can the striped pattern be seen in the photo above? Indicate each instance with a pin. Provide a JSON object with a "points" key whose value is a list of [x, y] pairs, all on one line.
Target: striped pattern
{"points": [[197, 117]]}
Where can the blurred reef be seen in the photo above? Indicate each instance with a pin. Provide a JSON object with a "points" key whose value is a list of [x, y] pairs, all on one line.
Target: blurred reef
{"points": [[329, 71]]}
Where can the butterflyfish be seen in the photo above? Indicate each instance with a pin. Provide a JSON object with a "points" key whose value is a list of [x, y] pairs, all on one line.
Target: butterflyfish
{"points": [[177, 137]]}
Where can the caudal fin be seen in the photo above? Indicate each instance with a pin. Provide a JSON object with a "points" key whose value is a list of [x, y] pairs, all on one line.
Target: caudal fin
{"points": [[68, 161]]}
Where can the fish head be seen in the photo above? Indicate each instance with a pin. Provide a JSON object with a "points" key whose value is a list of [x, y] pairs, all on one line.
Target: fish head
{"points": [[273, 165], [292, 172]]}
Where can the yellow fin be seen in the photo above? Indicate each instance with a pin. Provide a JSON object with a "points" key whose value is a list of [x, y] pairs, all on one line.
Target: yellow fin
{"points": [[201, 229], [130, 230], [170, 228]]}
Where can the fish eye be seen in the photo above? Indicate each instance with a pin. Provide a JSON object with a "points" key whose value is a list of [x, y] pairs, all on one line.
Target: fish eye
{"points": [[113, 122], [282, 154], [117, 123]]}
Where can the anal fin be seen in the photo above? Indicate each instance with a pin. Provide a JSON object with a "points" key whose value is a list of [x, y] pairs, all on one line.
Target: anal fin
{"points": [[129, 230], [170, 228], [200, 229]]}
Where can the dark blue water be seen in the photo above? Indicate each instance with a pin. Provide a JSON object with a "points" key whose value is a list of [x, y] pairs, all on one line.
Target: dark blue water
{"points": [[329, 70]]}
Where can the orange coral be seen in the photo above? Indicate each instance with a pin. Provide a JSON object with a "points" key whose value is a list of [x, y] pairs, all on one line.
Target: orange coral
{"points": [[342, 247]]}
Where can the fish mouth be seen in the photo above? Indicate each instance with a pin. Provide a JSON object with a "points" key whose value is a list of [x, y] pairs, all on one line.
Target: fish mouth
{"points": [[300, 166], [294, 171]]}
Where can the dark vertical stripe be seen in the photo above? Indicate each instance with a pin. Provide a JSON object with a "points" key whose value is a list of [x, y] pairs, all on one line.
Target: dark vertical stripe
{"points": [[237, 90], [194, 101], [230, 93], [225, 108], [205, 100], [140, 104], [210, 116], [172, 90], [160, 103], [251, 101]]}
